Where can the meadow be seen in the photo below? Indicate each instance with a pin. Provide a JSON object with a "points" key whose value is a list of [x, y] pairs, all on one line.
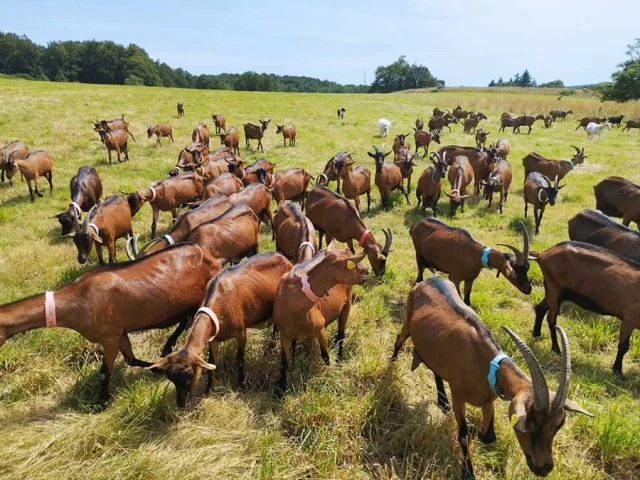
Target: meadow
{"points": [[364, 418]]}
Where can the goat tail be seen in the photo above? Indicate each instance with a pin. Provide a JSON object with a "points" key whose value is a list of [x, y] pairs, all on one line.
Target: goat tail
{"points": [[132, 137]]}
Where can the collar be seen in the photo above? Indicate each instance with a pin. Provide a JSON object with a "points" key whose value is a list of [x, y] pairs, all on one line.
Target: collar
{"points": [[95, 228], [456, 191], [541, 200], [169, 239], [326, 179], [77, 208], [214, 319], [571, 164], [153, 194], [485, 257], [307, 244], [364, 237], [49, 309], [306, 289], [493, 370]]}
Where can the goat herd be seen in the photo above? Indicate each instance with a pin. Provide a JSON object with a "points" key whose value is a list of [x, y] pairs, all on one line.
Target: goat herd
{"points": [[182, 277]]}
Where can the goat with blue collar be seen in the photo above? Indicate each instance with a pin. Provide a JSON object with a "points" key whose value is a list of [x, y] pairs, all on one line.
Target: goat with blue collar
{"points": [[450, 339]]}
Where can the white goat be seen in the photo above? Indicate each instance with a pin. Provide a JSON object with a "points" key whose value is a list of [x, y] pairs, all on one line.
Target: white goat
{"points": [[384, 125], [595, 129]]}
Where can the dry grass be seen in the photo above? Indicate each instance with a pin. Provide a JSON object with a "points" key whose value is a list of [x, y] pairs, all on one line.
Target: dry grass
{"points": [[362, 419]]}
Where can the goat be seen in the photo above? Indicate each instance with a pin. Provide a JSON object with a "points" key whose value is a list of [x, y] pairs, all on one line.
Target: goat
{"points": [[86, 191], [180, 107], [169, 286], [593, 278], [337, 217], [500, 181], [310, 296], [354, 182], [449, 152], [616, 120], [259, 171], [503, 148], [404, 160], [225, 184], [587, 120], [17, 150], [288, 132], [548, 120], [200, 134], [563, 115], [237, 298], [423, 139], [419, 124], [187, 158], [160, 130], [341, 113], [231, 139], [592, 226], [481, 138], [505, 115], [453, 251], [483, 164], [383, 127], [330, 174], [116, 140], [470, 123], [295, 235], [439, 122], [631, 124], [534, 162], [437, 112], [103, 126], [594, 129], [450, 339], [618, 197], [430, 185], [257, 197], [290, 184], [527, 121], [104, 225], [255, 132], [388, 177], [31, 168], [170, 193], [538, 191], [460, 114], [219, 122], [510, 122], [400, 142], [460, 177]]}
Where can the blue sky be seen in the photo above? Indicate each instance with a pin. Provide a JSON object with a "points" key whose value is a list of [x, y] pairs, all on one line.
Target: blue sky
{"points": [[464, 42]]}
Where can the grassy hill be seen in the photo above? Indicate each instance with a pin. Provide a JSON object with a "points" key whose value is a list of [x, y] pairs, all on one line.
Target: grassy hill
{"points": [[364, 418]]}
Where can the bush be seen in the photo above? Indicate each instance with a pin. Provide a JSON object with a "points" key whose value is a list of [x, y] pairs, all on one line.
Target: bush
{"points": [[133, 80]]}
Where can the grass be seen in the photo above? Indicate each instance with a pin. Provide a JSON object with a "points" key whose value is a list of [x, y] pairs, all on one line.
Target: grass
{"points": [[364, 418]]}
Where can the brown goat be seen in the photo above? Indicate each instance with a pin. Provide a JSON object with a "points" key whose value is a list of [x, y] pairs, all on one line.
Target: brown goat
{"points": [[399, 142], [460, 177], [354, 182], [310, 297], [219, 122], [423, 139], [337, 217], [330, 174], [450, 339], [290, 184], [419, 124], [17, 150], [535, 162], [483, 166], [231, 140], [469, 124], [31, 168], [430, 185], [404, 160], [86, 191], [187, 158], [288, 132], [255, 132], [499, 181], [104, 225], [587, 120], [503, 148], [117, 140], [295, 235], [592, 226], [631, 124], [618, 197], [160, 130], [169, 287], [388, 177], [257, 197], [439, 122], [595, 279], [200, 134], [453, 251], [225, 184], [237, 298], [105, 126], [481, 138], [538, 191], [180, 107], [509, 122], [260, 171]]}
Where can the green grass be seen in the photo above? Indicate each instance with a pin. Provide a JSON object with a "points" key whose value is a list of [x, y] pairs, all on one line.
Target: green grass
{"points": [[361, 419]]}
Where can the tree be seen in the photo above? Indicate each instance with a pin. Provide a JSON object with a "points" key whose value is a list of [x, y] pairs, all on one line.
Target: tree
{"points": [[552, 84], [626, 81], [400, 75]]}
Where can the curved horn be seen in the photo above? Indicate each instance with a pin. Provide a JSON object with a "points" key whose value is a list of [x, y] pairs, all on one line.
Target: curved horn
{"points": [[76, 220], [387, 242], [565, 371], [148, 245], [540, 389], [447, 194], [576, 149], [555, 183], [87, 220], [525, 238], [136, 250], [516, 252], [375, 148], [127, 248]]}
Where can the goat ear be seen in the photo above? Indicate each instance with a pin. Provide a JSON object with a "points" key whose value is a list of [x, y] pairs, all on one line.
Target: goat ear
{"points": [[96, 238], [202, 364], [371, 155], [571, 406], [388, 153], [518, 414]]}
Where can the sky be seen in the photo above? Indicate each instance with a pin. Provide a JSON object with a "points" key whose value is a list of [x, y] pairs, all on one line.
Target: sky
{"points": [[463, 42]]}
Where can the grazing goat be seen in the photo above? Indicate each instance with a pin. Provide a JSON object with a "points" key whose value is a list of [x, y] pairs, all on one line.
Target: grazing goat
{"points": [[617, 120], [187, 158], [160, 130], [528, 121], [534, 162], [548, 120], [594, 129], [219, 122], [430, 185], [104, 225], [450, 340], [560, 114], [354, 182], [441, 121], [481, 138], [593, 278], [86, 191], [255, 132], [31, 168], [104, 307], [400, 142], [237, 298], [618, 197], [453, 251], [231, 140], [295, 235], [17, 150], [499, 181], [200, 134], [290, 184], [257, 197], [419, 124], [423, 139], [180, 107], [592, 226], [259, 171], [510, 122], [169, 194], [310, 296], [330, 174], [341, 113], [225, 184], [288, 132], [631, 124], [337, 217], [538, 191], [460, 177], [388, 177], [587, 120], [383, 127], [116, 140]]}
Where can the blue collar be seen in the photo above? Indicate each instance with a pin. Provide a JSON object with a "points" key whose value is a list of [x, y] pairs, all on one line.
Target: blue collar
{"points": [[572, 164], [485, 257], [491, 376]]}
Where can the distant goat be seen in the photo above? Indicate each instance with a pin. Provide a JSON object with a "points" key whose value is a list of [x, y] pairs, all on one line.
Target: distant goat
{"points": [[160, 130], [594, 129], [255, 132], [631, 124], [383, 126], [341, 113], [220, 123], [180, 107], [38, 163]]}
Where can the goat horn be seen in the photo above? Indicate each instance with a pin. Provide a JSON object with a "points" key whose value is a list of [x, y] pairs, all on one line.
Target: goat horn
{"points": [[358, 257], [555, 183], [517, 253], [576, 148], [540, 389], [87, 220], [387, 242], [376, 148], [525, 235], [127, 248], [77, 220], [563, 387]]}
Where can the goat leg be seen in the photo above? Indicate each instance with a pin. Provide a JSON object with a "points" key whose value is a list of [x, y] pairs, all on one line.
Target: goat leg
{"points": [[109, 354], [173, 338], [129, 357], [541, 310], [443, 401], [463, 437], [321, 336], [285, 343], [488, 433], [242, 343], [624, 343], [342, 326]]}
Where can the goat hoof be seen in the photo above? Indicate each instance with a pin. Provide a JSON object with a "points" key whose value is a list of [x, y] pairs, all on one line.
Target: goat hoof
{"points": [[487, 438]]}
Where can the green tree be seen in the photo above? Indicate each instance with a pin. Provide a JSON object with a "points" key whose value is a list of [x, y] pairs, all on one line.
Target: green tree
{"points": [[626, 81], [400, 75]]}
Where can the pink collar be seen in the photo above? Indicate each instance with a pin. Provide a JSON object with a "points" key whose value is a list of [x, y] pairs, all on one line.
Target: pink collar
{"points": [[49, 309], [78, 209], [306, 289], [214, 318], [364, 237], [307, 244]]}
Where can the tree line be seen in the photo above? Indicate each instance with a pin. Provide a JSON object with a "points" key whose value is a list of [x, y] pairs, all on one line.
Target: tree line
{"points": [[525, 79]]}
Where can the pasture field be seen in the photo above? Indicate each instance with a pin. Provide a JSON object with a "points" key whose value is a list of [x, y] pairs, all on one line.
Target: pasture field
{"points": [[364, 418]]}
